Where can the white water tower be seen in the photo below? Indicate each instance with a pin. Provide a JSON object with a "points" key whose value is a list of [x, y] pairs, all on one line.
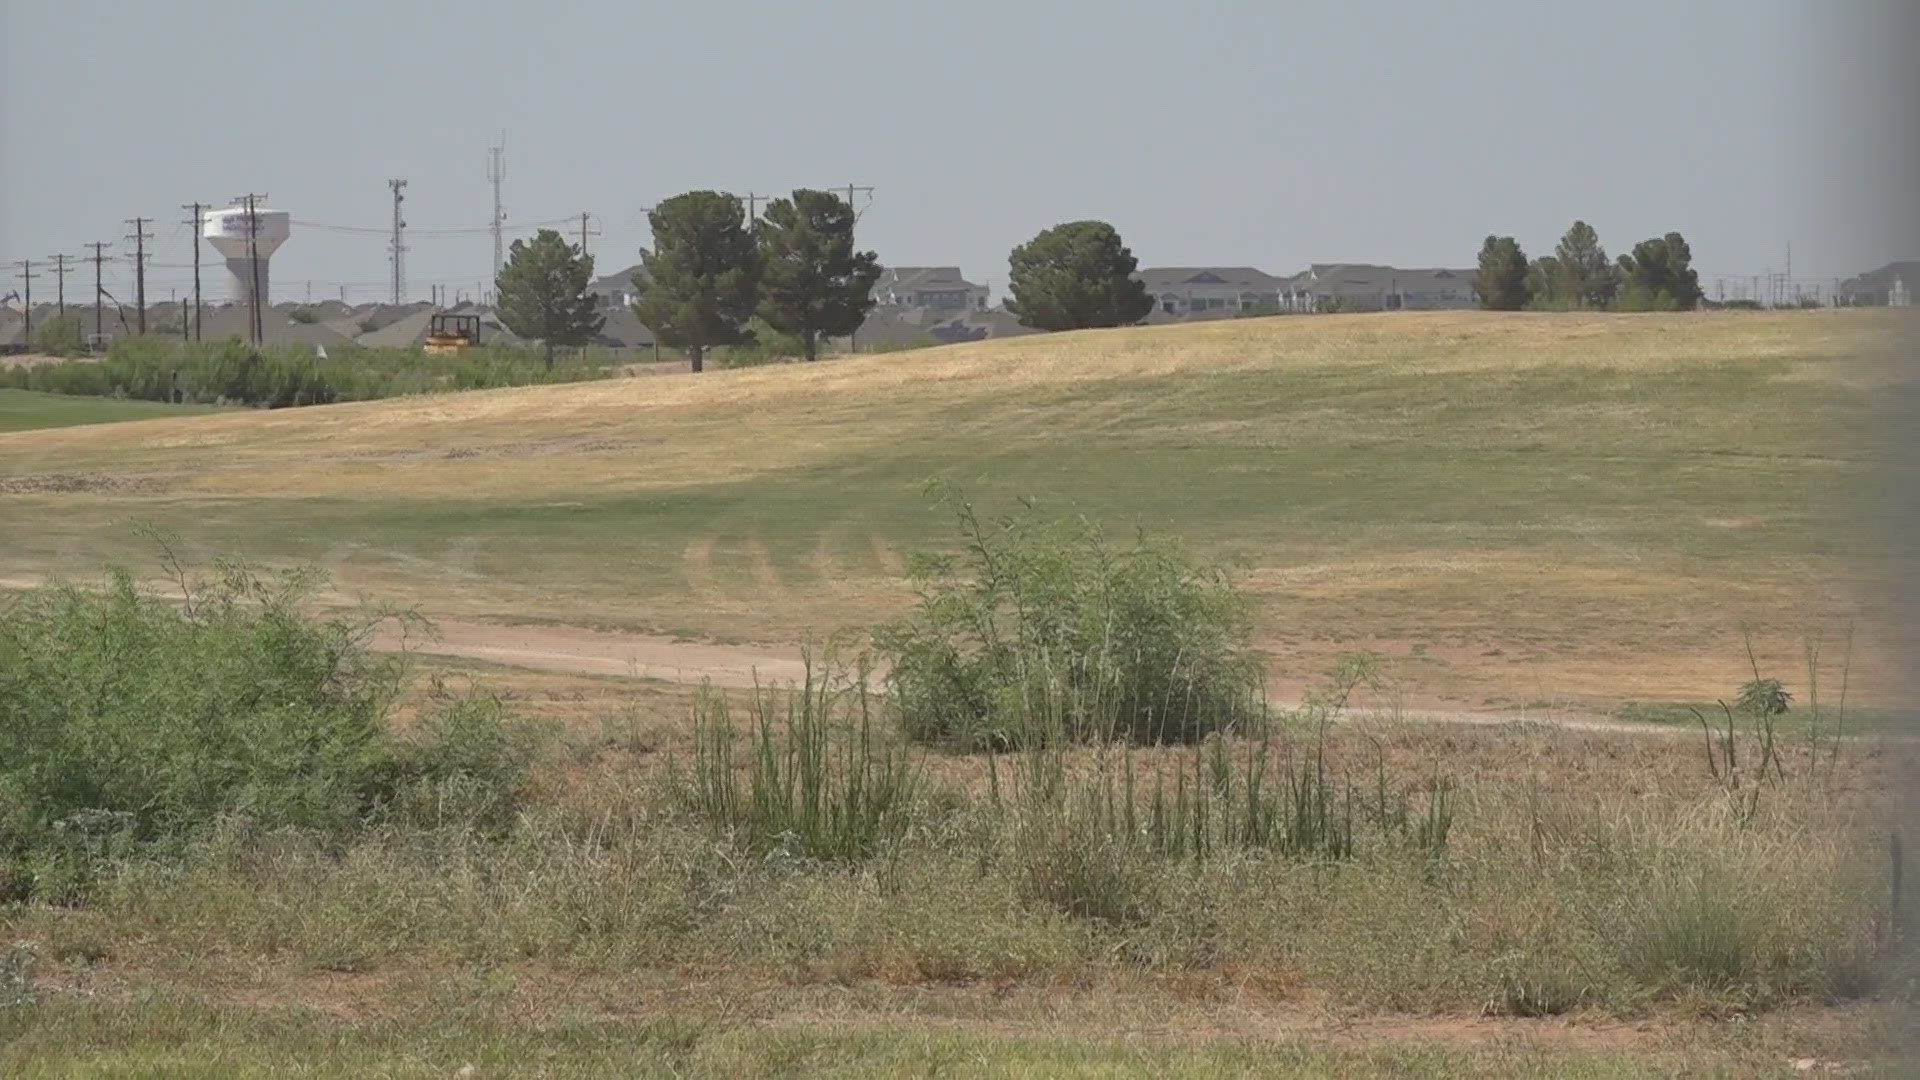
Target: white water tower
{"points": [[247, 242]]}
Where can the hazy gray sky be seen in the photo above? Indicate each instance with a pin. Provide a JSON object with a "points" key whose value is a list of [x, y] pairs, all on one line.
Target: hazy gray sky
{"points": [[1268, 134]]}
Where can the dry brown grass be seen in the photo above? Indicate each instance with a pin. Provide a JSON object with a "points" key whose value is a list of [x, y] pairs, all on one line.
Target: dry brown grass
{"points": [[1518, 508]]}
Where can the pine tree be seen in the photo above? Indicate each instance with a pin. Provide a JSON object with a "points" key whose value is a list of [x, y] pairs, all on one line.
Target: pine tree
{"points": [[1076, 276], [1502, 280], [1586, 276], [698, 286], [543, 292], [812, 282]]}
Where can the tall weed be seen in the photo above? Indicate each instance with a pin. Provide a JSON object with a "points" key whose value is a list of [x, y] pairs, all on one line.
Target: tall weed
{"points": [[1052, 631]]}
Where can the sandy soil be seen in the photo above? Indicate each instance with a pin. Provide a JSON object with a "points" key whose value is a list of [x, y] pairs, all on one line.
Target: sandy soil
{"points": [[574, 650]]}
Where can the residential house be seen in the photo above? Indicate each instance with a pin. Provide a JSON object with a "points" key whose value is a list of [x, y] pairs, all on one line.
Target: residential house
{"points": [[1201, 291], [616, 290], [1369, 287], [929, 288]]}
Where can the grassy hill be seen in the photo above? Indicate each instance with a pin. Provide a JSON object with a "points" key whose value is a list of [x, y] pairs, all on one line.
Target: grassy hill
{"points": [[1514, 508]]}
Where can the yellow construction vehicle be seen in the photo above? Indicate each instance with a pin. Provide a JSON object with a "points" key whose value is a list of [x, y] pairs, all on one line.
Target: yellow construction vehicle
{"points": [[452, 333]]}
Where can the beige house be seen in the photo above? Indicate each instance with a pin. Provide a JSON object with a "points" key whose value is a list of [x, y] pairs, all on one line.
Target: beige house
{"points": [[1194, 291], [929, 288], [1368, 287]]}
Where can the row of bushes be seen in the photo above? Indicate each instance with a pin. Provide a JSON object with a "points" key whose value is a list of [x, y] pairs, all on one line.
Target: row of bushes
{"points": [[234, 373]]}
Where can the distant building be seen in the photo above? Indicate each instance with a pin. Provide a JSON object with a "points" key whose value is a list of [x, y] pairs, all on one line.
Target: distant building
{"points": [[616, 290], [1877, 288], [929, 288], [1367, 287], [1189, 291]]}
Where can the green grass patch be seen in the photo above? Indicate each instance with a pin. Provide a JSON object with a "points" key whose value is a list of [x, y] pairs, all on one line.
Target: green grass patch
{"points": [[25, 410]]}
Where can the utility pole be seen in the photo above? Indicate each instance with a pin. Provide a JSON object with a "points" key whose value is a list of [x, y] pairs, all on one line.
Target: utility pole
{"points": [[99, 256], [256, 319], [140, 237], [60, 270], [197, 222], [496, 172], [399, 248], [585, 231], [753, 203], [27, 275], [850, 190]]}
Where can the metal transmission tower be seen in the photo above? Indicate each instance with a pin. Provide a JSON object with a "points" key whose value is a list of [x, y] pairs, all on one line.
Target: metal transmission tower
{"points": [[496, 172], [399, 247]]}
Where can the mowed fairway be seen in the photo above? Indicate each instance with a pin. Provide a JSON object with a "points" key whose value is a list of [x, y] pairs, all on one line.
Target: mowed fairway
{"points": [[1513, 509], [23, 410]]}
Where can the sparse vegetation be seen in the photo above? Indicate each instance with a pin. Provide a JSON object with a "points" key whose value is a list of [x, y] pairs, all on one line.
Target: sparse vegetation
{"points": [[234, 373]]}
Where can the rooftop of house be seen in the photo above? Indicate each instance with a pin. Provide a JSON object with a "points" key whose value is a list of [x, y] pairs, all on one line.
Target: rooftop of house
{"points": [[1373, 275], [1164, 278], [923, 277]]}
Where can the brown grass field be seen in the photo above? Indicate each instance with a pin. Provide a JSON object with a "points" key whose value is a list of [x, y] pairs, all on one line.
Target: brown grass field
{"points": [[1555, 530]]}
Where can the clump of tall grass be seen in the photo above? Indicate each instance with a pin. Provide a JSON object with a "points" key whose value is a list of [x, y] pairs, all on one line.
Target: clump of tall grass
{"points": [[814, 775], [1141, 641], [133, 723]]}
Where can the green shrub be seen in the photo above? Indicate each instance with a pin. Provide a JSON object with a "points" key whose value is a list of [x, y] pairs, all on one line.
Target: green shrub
{"points": [[1052, 632], [133, 723]]}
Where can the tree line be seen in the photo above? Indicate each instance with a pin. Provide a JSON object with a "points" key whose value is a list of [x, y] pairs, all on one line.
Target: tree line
{"points": [[711, 273], [1657, 276], [708, 275]]}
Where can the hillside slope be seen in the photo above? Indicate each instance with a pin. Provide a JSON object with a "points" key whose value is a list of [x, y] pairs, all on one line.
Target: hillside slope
{"points": [[1516, 508]]}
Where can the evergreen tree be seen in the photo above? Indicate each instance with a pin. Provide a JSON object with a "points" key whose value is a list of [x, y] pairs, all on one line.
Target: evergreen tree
{"points": [[812, 281], [1502, 280], [1076, 276], [543, 292], [698, 286], [1659, 275], [1544, 282], [1586, 276]]}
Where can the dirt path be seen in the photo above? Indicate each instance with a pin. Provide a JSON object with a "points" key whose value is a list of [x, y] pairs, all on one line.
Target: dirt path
{"points": [[576, 650], [573, 650]]}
